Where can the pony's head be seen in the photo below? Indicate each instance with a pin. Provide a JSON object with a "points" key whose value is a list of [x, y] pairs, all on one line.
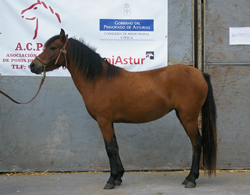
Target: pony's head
{"points": [[51, 57]]}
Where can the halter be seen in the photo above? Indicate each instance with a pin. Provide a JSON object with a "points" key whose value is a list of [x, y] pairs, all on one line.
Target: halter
{"points": [[63, 50]]}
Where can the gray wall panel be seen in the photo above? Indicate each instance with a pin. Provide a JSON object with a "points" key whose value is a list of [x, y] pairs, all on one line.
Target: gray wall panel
{"points": [[219, 16], [229, 67], [232, 96], [55, 132], [180, 32]]}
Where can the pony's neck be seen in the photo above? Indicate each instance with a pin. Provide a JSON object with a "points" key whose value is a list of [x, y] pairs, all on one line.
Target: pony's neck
{"points": [[87, 67], [82, 83]]}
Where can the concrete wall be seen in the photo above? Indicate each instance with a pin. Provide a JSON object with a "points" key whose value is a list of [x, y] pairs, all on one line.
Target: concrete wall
{"points": [[229, 67]]}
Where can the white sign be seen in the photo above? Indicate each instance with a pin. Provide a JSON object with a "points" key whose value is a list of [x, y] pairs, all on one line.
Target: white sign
{"points": [[239, 35], [130, 33]]}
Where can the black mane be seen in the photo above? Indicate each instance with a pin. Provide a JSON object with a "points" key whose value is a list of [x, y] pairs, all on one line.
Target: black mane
{"points": [[89, 62]]}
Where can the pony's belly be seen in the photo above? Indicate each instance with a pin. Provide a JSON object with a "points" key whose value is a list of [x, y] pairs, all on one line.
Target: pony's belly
{"points": [[142, 116]]}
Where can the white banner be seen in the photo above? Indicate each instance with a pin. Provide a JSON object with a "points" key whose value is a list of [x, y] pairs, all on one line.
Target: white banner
{"points": [[131, 34]]}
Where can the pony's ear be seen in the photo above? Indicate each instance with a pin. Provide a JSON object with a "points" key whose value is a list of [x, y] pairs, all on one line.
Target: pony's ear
{"points": [[62, 35]]}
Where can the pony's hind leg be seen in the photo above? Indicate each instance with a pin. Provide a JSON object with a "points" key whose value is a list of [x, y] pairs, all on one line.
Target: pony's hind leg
{"points": [[112, 149], [191, 128], [190, 181]]}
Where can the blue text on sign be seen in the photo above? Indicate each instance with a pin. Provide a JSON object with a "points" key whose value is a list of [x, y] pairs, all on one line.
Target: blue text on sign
{"points": [[126, 25]]}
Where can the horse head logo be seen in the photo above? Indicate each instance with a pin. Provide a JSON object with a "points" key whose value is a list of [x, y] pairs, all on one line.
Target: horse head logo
{"points": [[32, 13]]}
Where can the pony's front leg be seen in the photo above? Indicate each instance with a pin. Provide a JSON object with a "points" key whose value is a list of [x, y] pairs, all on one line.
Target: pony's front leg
{"points": [[116, 167]]}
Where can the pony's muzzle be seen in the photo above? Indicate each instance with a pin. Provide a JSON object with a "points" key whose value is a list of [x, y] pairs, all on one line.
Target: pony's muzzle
{"points": [[36, 67]]}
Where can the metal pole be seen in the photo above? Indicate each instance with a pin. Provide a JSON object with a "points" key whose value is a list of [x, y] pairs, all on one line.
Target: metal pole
{"points": [[198, 34]]}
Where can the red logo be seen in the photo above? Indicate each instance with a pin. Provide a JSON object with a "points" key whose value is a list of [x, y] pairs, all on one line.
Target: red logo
{"points": [[31, 13]]}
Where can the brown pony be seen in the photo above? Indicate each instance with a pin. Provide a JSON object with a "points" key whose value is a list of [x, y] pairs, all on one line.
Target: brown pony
{"points": [[113, 95]]}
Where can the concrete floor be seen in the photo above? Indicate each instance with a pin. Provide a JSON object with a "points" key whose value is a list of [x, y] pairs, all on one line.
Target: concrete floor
{"points": [[155, 183]]}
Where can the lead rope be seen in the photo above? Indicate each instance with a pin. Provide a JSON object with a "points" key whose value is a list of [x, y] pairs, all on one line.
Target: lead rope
{"points": [[42, 81]]}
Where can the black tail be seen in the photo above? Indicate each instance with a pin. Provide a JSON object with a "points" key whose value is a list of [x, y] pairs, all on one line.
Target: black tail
{"points": [[209, 134]]}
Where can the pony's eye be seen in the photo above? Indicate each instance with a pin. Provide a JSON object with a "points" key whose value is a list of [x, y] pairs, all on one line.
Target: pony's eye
{"points": [[53, 48]]}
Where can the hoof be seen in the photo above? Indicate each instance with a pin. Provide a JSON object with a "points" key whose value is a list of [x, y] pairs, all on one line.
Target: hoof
{"points": [[109, 186], [190, 185], [185, 182], [118, 182]]}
